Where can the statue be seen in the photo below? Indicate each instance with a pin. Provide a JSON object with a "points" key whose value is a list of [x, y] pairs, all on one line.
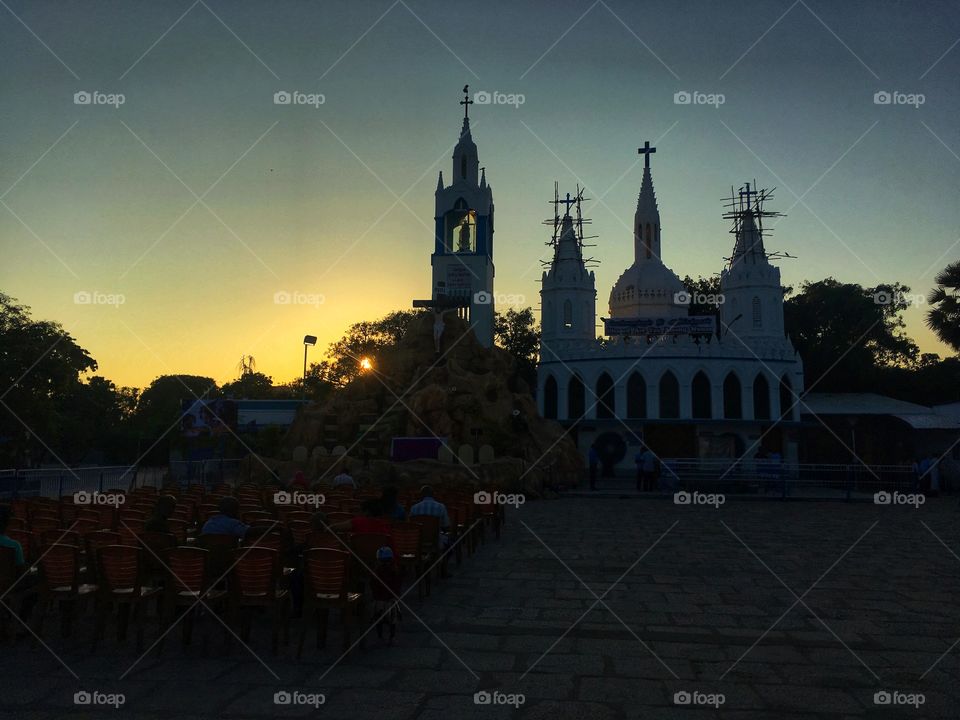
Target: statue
{"points": [[464, 242]]}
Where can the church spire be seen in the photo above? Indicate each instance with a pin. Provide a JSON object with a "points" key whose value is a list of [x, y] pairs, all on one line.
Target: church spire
{"points": [[646, 221], [466, 164]]}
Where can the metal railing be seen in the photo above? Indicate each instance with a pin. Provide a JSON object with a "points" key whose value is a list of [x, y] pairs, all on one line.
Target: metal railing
{"points": [[783, 478], [57, 482]]}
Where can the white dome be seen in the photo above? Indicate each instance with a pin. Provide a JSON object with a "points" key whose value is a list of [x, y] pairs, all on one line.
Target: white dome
{"points": [[647, 289]]}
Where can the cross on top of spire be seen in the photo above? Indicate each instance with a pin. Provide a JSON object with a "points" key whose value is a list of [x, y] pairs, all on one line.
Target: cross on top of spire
{"points": [[747, 193], [645, 151], [466, 102]]}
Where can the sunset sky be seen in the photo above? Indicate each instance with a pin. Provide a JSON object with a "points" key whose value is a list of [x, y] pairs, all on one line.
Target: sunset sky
{"points": [[199, 199]]}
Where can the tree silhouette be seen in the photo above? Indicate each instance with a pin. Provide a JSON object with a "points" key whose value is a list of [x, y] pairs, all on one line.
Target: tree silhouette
{"points": [[944, 317]]}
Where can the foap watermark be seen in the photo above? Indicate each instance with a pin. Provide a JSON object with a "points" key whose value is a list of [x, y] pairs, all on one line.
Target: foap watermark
{"points": [[95, 297], [495, 97], [485, 697], [284, 497], [686, 697], [895, 97], [295, 697], [695, 97], [295, 97], [898, 498], [484, 297], [698, 298], [283, 297], [95, 697], [888, 297], [895, 697], [99, 498], [698, 498], [498, 498], [95, 97]]}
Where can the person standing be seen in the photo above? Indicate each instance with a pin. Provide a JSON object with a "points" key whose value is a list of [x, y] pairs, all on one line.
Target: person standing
{"points": [[593, 460], [646, 469]]}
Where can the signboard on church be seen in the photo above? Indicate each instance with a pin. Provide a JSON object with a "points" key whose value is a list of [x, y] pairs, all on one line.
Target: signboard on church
{"points": [[458, 277], [692, 325]]}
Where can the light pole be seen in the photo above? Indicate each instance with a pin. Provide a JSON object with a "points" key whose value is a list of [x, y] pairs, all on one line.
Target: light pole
{"points": [[308, 340]]}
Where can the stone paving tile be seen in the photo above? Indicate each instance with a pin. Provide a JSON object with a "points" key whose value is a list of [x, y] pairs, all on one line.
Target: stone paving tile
{"points": [[700, 602]]}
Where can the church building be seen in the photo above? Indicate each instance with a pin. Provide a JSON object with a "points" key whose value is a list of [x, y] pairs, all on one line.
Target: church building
{"points": [[690, 386]]}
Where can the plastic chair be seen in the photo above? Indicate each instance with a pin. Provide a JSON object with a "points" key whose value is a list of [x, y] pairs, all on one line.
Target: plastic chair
{"points": [[120, 585], [326, 586], [254, 583]]}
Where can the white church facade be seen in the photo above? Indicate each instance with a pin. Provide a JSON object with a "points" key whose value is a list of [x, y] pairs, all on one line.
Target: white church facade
{"points": [[689, 386]]}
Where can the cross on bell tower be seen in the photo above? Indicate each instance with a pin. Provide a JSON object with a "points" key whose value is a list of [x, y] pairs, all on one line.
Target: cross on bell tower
{"points": [[466, 102], [645, 151]]}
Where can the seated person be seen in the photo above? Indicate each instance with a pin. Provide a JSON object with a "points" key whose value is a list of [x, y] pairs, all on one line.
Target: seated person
{"points": [[432, 508], [162, 511], [225, 522], [344, 479]]}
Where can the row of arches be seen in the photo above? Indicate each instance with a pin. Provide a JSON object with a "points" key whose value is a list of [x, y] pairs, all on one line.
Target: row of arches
{"points": [[668, 402]]}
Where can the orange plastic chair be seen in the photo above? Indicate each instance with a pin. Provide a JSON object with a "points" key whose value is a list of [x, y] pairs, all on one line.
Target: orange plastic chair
{"points": [[120, 585], [60, 585], [254, 583], [326, 586]]}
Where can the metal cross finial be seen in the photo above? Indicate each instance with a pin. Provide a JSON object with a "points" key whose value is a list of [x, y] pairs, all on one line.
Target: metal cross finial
{"points": [[466, 102], [645, 151], [747, 194]]}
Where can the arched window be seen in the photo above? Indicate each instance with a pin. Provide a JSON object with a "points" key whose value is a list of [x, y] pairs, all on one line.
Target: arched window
{"points": [[669, 396], [606, 404], [787, 400], [761, 398], [649, 242], [575, 398], [463, 166], [732, 399], [636, 396], [757, 317], [550, 398], [702, 401], [567, 314]]}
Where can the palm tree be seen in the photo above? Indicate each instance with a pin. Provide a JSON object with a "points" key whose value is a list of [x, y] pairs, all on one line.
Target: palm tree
{"points": [[944, 315]]}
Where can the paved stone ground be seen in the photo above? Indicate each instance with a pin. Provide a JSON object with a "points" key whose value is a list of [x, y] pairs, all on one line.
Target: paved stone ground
{"points": [[789, 610]]}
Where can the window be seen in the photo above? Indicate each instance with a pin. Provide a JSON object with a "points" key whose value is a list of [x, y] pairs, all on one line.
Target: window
{"points": [[702, 400], [636, 396], [669, 396], [575, 398], [757, 319], [732, 401], [606, 403], [567, 314], [761, 398], [550, 398]]}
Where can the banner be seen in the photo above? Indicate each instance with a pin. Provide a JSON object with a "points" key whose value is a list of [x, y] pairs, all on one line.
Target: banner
{"points": [[692, 325]]}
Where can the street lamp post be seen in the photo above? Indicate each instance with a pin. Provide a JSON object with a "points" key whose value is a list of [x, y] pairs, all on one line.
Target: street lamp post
{"points": [[308, 340]]}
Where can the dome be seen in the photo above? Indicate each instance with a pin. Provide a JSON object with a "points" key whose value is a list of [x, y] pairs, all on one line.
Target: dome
{"points": [[647, 288]]}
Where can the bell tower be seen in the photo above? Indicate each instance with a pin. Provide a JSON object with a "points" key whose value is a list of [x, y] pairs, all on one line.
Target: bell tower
{"points": [[462, 258]]}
